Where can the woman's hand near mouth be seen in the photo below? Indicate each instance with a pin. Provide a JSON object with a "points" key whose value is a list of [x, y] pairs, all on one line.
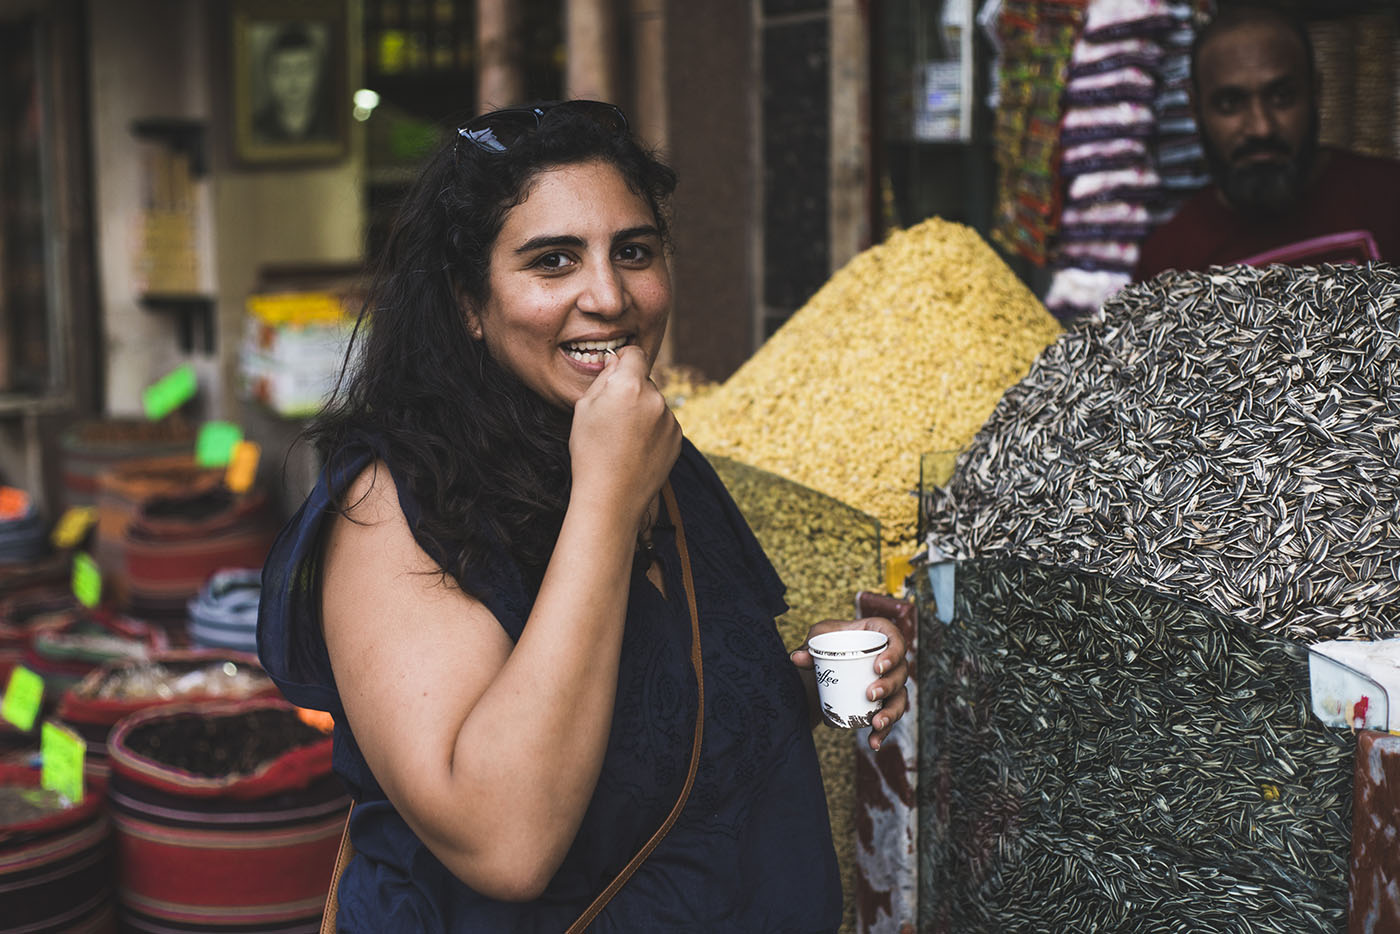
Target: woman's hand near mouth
{"points": [[624, 439]]}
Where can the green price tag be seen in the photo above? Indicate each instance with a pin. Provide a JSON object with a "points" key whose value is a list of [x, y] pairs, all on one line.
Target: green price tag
{"points": [[214, 447], [169, 392], [87, 580], [61, 751], [23, 695]]}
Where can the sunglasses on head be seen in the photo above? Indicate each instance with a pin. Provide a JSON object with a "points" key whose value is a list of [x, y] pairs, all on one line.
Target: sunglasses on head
{"points": [[501, 129]]}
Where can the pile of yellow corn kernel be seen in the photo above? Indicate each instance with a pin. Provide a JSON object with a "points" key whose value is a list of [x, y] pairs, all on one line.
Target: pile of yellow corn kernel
{"points": [[905, 350]]}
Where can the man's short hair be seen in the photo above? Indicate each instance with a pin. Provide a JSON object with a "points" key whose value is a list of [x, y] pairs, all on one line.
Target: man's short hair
{"points": [[1245, 12], [292, 37]]}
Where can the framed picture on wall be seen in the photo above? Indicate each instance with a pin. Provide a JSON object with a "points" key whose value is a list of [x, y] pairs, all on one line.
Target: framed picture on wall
{"points": [[289, 87]]}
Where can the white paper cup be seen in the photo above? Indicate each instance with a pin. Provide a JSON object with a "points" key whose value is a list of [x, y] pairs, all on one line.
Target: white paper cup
{"points": [[845, 667]]}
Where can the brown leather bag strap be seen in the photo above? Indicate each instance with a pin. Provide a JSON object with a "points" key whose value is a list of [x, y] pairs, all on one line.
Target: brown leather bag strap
{"points": [[603, 898], [347, 850]]}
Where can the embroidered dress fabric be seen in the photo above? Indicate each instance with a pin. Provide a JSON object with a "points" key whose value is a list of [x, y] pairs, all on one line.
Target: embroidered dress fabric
{"points": [[751, 852]]}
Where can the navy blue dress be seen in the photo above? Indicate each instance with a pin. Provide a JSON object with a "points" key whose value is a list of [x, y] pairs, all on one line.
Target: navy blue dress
{"points": [[752, 850]]}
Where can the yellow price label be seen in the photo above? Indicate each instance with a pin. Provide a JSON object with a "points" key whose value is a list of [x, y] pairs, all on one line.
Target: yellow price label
{"points": [[897, 569], [87, 580], [242, 466], [61, 752], [72, 527], [23, 695]]}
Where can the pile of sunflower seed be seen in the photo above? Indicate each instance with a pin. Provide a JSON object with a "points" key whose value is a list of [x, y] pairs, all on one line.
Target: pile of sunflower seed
{"points": [[1098, 756], [1232, 436]]}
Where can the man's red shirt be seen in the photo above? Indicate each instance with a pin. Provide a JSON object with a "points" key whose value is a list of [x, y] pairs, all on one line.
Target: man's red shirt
{"points": [[1351, 193]]}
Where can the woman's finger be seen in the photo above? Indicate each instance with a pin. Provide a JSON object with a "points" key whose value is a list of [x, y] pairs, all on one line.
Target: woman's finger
{"points": [[889, 682], [894, 654], [888, 716], [633, 359]]}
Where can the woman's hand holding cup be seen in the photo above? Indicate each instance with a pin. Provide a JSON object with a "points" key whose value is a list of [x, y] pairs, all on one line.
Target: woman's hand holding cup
{"points": [[872, 644]]}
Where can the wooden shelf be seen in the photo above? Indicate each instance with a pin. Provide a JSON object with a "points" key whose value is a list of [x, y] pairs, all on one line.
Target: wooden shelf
{"points": [[18, 404], [181, 135], [190, 308]]}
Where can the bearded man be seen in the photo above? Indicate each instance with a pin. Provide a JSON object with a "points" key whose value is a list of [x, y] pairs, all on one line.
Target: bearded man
{"points": [[1277, 195]]}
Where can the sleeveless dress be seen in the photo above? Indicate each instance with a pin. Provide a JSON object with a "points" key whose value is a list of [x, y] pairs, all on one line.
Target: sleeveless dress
{"points": [[752, 850]]}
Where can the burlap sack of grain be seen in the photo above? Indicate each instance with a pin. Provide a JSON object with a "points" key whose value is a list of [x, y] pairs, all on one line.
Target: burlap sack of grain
{"points": [[825, 552], [905, 350]]}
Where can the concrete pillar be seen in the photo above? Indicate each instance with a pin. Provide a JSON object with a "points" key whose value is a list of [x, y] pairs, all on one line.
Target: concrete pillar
{"points": [[500, 79], [590, 35], [647, 113], [649, 116], [712, 87], [850, 131]]}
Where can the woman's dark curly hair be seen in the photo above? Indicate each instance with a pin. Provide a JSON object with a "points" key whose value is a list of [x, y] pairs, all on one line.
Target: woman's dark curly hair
{"points": [[485, 457]]}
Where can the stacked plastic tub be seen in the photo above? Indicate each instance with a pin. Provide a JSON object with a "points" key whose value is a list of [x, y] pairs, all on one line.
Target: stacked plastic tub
{"points": [[62, 647], [19, 582], [18, 615]]}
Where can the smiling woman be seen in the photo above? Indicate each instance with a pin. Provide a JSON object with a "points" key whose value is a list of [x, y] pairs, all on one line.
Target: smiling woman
{"points": [[557, 301], [544, 630]]}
